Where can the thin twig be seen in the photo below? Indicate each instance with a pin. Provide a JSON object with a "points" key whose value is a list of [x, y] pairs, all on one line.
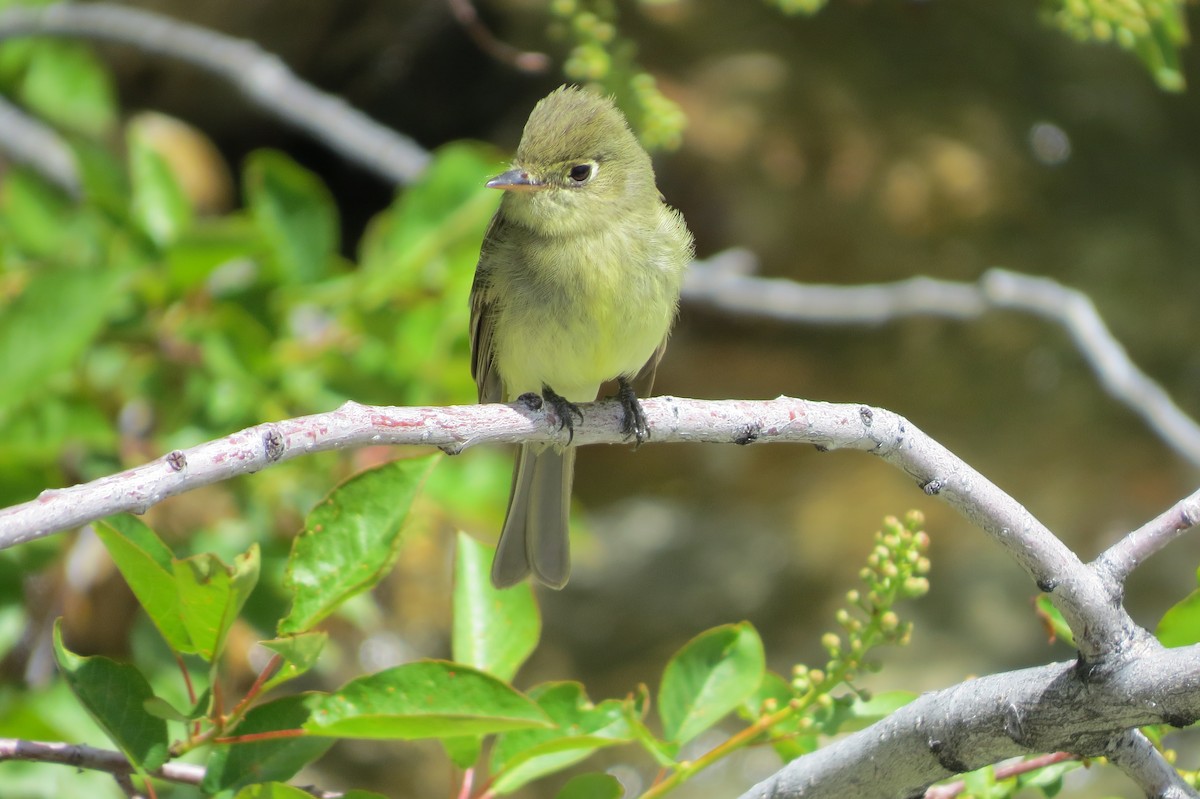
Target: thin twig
{"points": [[950, 790], [1131, 551], [89, 757], [259, 75], [725, 283], [485, 40]]}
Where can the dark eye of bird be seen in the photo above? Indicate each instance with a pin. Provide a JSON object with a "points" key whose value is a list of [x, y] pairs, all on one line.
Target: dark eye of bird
{"points": [[581, 172]]}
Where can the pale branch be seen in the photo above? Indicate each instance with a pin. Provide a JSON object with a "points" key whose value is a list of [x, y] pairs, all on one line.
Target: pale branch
{"points": [[1131, 551], [89, 757], [1086, 601], [725, 283], [1133, 753], [111, 762], [1062, 706], [29, 141], [261, 76]]}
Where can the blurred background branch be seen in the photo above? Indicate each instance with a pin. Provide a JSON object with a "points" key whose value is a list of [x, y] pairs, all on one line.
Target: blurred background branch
{"points": [[259, 75]]}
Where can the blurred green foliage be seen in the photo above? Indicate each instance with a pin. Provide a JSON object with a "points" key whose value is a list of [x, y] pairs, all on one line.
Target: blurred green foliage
{"points": [[1154, 30]]}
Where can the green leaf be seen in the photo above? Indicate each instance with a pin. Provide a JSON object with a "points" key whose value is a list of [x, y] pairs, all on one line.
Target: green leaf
{"points": [[463, 751], [787, 739], [856, 715], [114, 694], [272, 790], [232, 766], [147, 566], [709, 677], [159, 207], [427, 699], [160, 708], [494, 630], [525, 755], [421, 241], [67, 85], [212, 594], [1180, 625], [210, 244], [591, 786], [36, 213], [299, 653], [278, 790], [295, 212], [350, 540], [46, 329], [1056, 626]]}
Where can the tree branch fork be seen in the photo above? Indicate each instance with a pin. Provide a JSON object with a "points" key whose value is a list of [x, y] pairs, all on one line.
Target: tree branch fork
{"points": [[1123, 678]]}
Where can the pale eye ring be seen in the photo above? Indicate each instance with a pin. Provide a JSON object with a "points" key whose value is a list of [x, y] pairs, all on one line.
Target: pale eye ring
{"points": [[580, 173]]}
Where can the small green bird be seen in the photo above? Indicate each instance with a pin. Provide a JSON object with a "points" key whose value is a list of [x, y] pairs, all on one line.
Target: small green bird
{"points": [[577, 284]]}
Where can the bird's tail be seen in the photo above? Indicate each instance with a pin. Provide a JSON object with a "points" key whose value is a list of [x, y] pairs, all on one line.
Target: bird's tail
{"points": [[534, 538]]}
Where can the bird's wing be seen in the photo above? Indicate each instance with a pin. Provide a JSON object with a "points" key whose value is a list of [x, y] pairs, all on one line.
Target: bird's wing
{"points": [[483, 361], [643, 382]]}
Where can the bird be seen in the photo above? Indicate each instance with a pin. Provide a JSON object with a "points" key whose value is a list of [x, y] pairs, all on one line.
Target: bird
{"points": [[577, 284]]}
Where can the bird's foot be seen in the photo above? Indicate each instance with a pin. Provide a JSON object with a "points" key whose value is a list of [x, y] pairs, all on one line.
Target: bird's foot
{"points": [[634, 423], [564, 409], [531, 400]]}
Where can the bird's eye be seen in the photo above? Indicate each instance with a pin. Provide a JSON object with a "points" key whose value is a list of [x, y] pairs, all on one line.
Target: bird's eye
{"points": [[580, 172]]}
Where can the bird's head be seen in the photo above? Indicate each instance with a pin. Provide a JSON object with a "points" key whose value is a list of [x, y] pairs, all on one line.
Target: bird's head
{"points": [[578, 166]]}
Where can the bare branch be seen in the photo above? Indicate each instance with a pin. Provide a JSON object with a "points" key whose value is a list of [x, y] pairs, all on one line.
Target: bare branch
{"points": [[485, 40], [1131, 551], [27, 141], [724, 283], [1049, 708], [1085, 601], [259, 75], [89, 757], [1132, 752], [114, 763]]}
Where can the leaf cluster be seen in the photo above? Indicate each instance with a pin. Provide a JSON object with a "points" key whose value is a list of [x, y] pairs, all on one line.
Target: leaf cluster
{"points": [[499, 735]]}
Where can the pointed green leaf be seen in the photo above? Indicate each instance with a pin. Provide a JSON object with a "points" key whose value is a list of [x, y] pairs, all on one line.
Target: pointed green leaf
{"points": [[1180, 625], [427, 699], [1056, 626], [299, 653], [525, 755], [591, 786], [114, 694], [67, 85], [212, 594], [463, 751], [45, 329], [160, 708], [709, 677], [494, 630], [232, 766], [295, 212], [350, 540], [146, 564], [272, 790], [158, 205]]}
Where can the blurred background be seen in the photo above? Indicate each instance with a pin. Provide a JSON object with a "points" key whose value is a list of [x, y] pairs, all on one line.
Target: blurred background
{"points": [[871, 142]]}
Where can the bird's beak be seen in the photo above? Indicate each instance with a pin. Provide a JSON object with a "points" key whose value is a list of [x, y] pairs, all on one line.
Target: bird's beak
{"points": [[516, 179]]}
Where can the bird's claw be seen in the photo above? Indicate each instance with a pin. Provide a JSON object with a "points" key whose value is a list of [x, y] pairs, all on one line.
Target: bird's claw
{"points": [[564, 409], [634, 424]]}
